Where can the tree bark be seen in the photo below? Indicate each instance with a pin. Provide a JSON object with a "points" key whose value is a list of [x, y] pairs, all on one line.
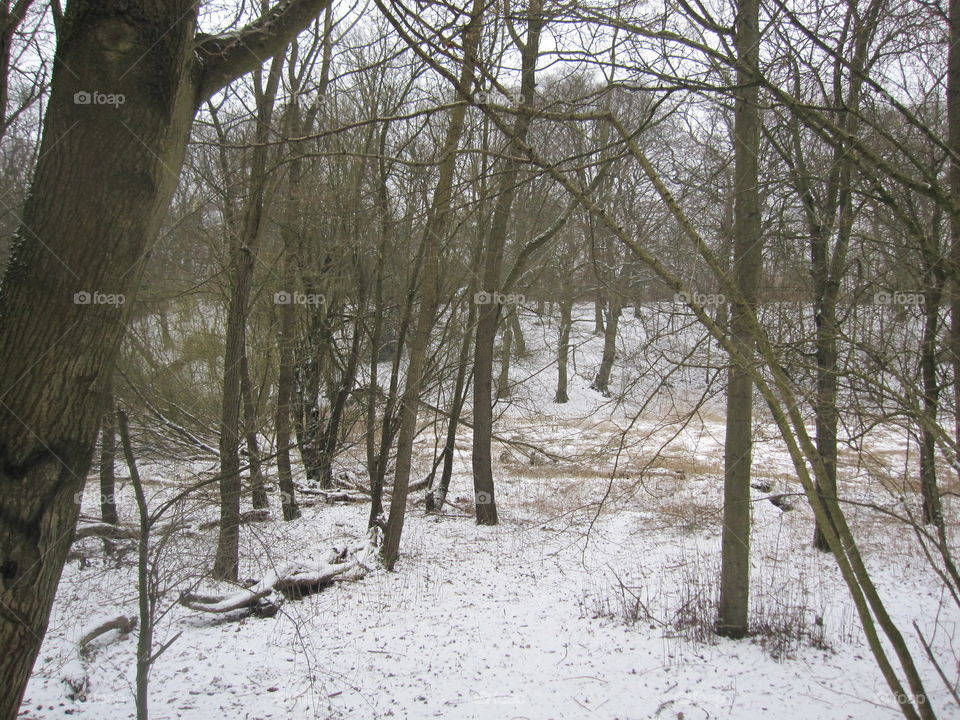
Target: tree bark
{"points": [[503, 382], [227, 560], [563, 349], [602, 381], [144, 595], [519, 342], [285, 340], [934, 282], [828, 266], [735, 561], [436, 499], [599, 328], [108, 453], [104, 177], [492, 261], [255, 471], [436, 227], [953, 139]]}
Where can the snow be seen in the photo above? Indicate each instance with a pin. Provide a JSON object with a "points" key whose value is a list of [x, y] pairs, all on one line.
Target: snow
{"points": [[570, 608]]}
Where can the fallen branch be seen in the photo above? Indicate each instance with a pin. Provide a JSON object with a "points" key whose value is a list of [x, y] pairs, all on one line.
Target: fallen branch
{"points": [[74, 673], [123, 623], [332, 496], [293, 579]]}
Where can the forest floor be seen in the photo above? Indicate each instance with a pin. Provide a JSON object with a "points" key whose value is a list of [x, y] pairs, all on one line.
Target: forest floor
{"points": [[592, 598]]}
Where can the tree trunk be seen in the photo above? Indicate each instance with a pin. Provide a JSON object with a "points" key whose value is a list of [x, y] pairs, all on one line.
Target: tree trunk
{"points": [[602, 381], [99, 191], [227, 560], [503, 382], [563, 350], [929, 491], [389, 425], [307, 421], [735, 562], [437, 498], [519, 342], [598, 325], [331, 436], [255, 472], [373, 392], [491, 261], [828, 267], [285, 340], [144, 589], [953, 137], [108, 453], [104, 177], [825, 406], [436, 227]]}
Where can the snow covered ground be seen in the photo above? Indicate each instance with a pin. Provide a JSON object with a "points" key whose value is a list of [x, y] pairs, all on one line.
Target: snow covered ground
{"points": [[591, 599]]}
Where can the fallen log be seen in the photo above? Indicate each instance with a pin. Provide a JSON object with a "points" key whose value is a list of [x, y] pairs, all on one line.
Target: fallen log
{"points": [[332, 496], [74, 673], [290, 580], [123, 623]]}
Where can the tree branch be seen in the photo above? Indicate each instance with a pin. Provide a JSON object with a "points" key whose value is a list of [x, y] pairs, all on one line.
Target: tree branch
{"points": [[224, 58]]}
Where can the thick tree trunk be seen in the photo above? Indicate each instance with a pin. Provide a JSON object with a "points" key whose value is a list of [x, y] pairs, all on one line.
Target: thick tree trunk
{"points": [[105, 174], [101, 186], [735, 562]]}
